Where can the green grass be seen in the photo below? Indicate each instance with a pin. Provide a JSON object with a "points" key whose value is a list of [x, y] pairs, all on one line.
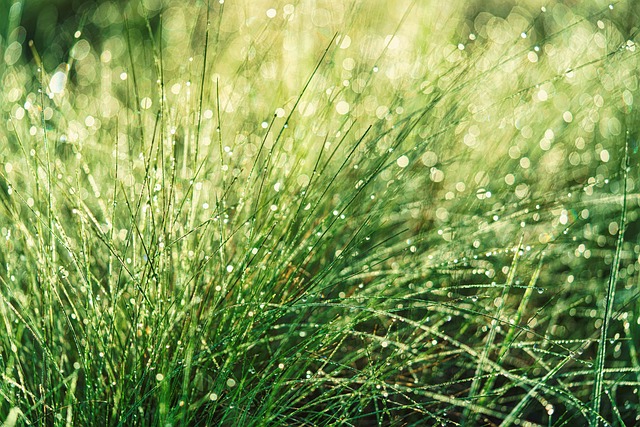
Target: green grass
{"points": [[373, 213]]}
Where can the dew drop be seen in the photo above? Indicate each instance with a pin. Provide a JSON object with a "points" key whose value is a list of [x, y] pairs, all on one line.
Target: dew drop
{"points": [[342, 107]]}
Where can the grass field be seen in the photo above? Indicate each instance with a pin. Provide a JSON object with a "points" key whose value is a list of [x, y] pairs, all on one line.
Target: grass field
{"points": [[319, 213]]}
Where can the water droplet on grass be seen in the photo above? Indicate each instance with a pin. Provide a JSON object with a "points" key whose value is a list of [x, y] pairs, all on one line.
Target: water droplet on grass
{"points": [[403, 161], [58, 82], [342, 107]]}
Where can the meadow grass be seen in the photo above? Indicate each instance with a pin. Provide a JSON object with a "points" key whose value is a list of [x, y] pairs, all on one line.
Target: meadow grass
{"points": [[319, 213]]}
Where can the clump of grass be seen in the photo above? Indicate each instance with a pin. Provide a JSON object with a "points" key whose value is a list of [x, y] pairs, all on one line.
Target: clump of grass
{"points": [[313, 214]]}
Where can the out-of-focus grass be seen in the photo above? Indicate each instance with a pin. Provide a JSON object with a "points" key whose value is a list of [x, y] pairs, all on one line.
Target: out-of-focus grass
{"points": [[319, 213]]}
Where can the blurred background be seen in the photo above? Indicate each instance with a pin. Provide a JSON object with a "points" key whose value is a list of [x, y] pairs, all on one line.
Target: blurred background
{"points": [[528, 100]]}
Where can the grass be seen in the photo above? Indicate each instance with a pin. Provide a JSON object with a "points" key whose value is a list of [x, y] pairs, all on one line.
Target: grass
{"points": [[316, 213]]}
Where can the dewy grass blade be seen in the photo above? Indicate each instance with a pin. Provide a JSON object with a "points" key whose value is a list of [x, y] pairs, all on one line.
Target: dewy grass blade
{"points": [[488, 347], [599, 366]]}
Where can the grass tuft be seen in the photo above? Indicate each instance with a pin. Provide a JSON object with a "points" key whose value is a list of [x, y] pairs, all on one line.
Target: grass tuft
{"points": [[317, 213]]}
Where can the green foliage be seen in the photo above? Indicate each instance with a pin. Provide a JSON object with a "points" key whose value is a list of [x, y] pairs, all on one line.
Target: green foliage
{"points": [[374, 213]]}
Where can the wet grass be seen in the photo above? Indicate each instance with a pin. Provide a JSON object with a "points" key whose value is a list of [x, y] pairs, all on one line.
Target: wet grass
{"points": [[319, 214]]}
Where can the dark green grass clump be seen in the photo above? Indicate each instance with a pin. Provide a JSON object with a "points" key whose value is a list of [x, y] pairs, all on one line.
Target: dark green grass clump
{"points": [[241, 213]]}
